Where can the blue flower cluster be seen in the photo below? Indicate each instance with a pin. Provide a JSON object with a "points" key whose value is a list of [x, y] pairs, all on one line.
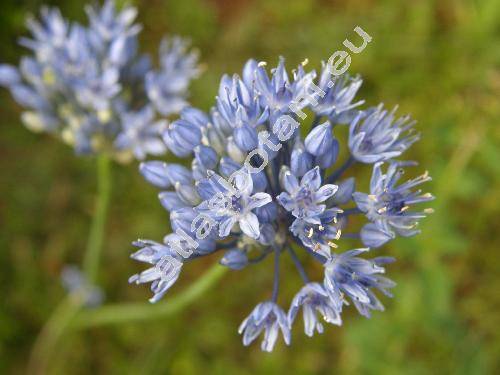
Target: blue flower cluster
{"points": [[260, 183], [91, 87]]}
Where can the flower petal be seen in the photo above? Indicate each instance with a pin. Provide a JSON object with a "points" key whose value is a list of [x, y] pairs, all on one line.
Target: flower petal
{"points": [[249, 224]]}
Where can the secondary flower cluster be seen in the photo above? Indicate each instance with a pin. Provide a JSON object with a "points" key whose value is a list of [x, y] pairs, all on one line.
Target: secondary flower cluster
{"points": [[77, 284], [256, 187], [91, 87]]}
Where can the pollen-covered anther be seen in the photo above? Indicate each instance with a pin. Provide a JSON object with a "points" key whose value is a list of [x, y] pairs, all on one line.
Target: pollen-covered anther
{"points": [[382, 210], [310, 233], [332, 244], [339, 233]]}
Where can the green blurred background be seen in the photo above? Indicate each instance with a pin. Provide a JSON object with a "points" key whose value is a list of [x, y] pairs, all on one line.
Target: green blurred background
{"points": [[439, 60]]}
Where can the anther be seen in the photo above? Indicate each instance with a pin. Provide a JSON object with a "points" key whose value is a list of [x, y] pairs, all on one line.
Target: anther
{"points": [[339, 233]]}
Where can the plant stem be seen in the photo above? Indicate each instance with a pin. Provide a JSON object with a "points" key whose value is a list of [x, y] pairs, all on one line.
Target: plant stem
{"points": [[134, 312], [57, 323], [316, 121], [298, 265], [355, 236], [337, 173], [95, 240], [316, 256], [350, 211], [276, 282], [52, 331]]}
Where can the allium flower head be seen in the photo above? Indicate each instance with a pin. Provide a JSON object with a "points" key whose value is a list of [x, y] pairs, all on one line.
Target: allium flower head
{"points": [[259, 186], [167, 87], [87, 84]]}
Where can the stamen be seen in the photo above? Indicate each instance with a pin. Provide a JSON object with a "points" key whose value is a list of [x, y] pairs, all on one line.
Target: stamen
{"points": [[429, 211], [382, 210], [332, 244], [321, 227], [372, 197], [405, 208], [261, 64], [339, 233], [310, 234]]}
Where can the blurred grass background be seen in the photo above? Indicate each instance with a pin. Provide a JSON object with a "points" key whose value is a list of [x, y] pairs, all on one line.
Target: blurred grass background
{"points": [[439, 60]]}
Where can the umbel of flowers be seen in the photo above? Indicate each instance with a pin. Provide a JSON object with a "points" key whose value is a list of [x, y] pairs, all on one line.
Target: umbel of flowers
{"points": [[90, 86], [251, 192]]}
